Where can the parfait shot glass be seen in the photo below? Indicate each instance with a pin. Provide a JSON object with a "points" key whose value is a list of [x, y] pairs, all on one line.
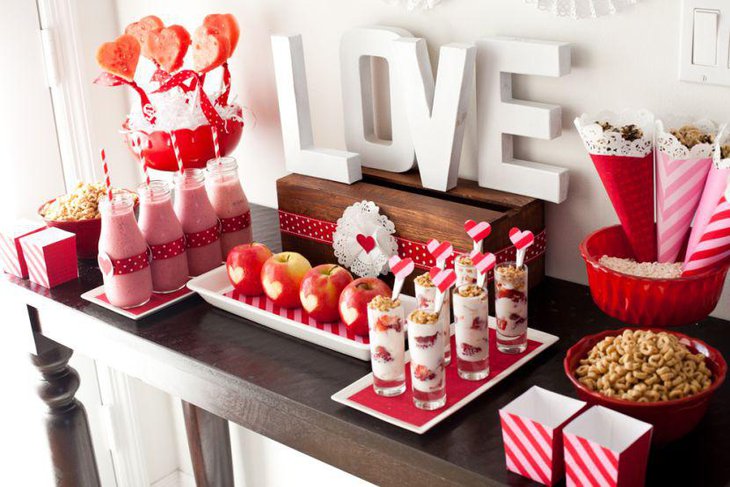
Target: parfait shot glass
{"points": [[387, 346], [425, 343], [471, 314], [425, 292], [466, 272], [510, 307]]}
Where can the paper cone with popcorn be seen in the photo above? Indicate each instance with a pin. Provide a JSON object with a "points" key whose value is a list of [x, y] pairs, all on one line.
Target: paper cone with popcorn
{"points": [[621, 147], [532, 431], [683, 159]]}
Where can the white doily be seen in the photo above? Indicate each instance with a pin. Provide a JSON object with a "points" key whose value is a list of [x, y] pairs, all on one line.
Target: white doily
{"points": [[723, 138], [612, 143], [582, 9], [668, 143], [364, 218], [415, 4]]}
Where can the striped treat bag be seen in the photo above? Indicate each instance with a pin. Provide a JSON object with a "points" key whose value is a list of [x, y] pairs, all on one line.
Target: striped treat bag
{"points": [[683, 160], [532, 430], [11, 253], [621, 146], [713, 190], [713, 248], [606, 448], [51, 256]]}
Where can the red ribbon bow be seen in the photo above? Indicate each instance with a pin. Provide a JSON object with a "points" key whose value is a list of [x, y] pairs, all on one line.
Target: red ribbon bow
{"points": [[108, 79], [179, 79]]}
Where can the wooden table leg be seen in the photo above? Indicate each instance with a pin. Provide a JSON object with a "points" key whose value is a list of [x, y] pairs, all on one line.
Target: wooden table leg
{"points": [[210, 447], [72, 453]]}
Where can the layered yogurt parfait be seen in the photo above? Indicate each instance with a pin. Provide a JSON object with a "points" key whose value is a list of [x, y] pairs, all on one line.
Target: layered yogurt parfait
{"points": [[387, 346], [510, 307], [425, 292], [426, 344], [471, 314]]}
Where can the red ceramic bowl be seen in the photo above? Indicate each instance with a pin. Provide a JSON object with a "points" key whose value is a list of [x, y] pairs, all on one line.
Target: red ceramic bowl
{"points": [[644, 301], [196, 146], [671, 419], [87, 232]]}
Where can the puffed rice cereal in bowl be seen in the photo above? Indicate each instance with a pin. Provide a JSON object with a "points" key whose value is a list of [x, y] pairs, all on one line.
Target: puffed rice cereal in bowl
{"points": [[80, 204], [643, 366]]}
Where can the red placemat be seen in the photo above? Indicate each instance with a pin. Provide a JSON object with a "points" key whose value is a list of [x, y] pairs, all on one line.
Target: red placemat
{"points": [[155, 301], [298, 315], [402, 408]]}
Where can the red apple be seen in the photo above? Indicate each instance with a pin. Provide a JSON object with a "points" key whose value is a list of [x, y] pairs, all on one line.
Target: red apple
{"points": [[320, 291], [354, 302], [244, 264], [281, 276]]}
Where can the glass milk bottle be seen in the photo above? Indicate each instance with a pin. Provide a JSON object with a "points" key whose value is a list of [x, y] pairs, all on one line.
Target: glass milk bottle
{"points": [[199, 222], [123, 254], [230, 203], [164, 235]]}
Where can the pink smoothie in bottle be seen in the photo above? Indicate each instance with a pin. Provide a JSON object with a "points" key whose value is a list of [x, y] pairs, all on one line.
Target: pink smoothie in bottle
{"points": [[123, 254], [199, 222], [164, 235], [230, 203]]}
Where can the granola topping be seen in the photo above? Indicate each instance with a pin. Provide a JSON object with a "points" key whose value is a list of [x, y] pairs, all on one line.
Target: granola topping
{"points": [[470, 291], [421, 317], [383, 303], [464, 260], [424, 280], [511, 275]]}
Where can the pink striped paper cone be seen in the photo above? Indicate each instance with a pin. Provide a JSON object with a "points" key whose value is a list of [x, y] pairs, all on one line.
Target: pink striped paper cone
{"points": [[713, 249], [679, 185], [711, 194]]}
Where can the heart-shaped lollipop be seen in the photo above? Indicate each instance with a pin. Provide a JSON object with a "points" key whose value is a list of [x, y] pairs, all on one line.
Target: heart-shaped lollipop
{"points": [[168, 46], [401, 268], [521, 238], [443, 279], [483, 262], [142, 29], [440, 251], [477, 231], [367, 242], [210, 50], [120, 56]]}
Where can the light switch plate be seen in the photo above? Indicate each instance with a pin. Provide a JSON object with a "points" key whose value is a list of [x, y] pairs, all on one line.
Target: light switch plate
{"points": [[693, 62]]}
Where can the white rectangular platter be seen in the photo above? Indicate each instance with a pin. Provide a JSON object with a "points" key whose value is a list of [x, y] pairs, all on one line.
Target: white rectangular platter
{"points": [[214, 286]]}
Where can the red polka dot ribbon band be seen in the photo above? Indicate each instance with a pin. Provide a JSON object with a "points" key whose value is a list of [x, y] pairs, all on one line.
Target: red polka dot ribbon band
{"points": [[131, 264], [201, 239], [322, 231], [168, 250], [236, 223]]}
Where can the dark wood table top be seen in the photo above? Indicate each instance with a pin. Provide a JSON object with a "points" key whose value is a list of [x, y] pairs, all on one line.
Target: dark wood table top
{"points": [[280, 386]]}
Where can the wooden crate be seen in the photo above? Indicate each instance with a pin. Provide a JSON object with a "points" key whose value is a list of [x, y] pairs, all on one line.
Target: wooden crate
{"points": [[418, 214]]}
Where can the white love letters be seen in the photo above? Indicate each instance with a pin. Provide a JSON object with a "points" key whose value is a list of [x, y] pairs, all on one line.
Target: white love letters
{"points": [[427, 116]]}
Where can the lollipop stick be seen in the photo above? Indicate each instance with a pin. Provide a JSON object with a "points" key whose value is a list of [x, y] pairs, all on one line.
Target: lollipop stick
{"points": [[438, 303], [397, 288], [521, 257]]}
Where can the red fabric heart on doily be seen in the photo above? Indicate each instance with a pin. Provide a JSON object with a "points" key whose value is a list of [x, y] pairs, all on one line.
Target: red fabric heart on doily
{"points": [[366, 242]]}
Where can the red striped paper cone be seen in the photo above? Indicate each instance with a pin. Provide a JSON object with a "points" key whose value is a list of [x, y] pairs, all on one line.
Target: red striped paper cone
{"points": [[679, 185], [713, 248], [629, 182]]}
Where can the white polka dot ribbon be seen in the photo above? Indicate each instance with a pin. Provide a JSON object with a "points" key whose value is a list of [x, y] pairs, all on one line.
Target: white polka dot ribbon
{"points": [[321, 231], [203, 238], [235, 223], [131, 264], [168, 250]]}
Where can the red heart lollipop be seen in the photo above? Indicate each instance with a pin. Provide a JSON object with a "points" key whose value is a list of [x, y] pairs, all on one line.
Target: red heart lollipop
{"points": [[477, 231], [210, 50], [168, 46], [119, 57], [443, 279], [521, 238]]}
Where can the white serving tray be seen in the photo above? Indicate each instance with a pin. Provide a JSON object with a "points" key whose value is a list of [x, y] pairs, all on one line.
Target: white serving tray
{"points": [[158, 302], [345, 395], [213, 286]]}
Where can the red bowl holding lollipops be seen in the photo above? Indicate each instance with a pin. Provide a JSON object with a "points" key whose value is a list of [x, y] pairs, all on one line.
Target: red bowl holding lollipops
{"points": [[642, 300], [671, 419]]}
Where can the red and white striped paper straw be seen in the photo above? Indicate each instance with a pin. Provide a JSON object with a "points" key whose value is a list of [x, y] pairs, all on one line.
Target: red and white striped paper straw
{"points": [[107, 180], [176, 150], [713, 248], [216, 146], [138, 148]]}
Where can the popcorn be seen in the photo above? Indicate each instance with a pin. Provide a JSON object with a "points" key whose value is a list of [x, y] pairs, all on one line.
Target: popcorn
{"points": [[80, 204], [654, 270]]}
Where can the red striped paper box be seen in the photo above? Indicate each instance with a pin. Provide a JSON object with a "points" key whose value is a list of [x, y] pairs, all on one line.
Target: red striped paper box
{"points": [[606, 448], [11, 252], [51, 257], [532, 427]]}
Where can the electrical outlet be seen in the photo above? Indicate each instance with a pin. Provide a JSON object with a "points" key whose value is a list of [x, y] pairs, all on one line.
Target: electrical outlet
{"points": [[705, 49]]}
